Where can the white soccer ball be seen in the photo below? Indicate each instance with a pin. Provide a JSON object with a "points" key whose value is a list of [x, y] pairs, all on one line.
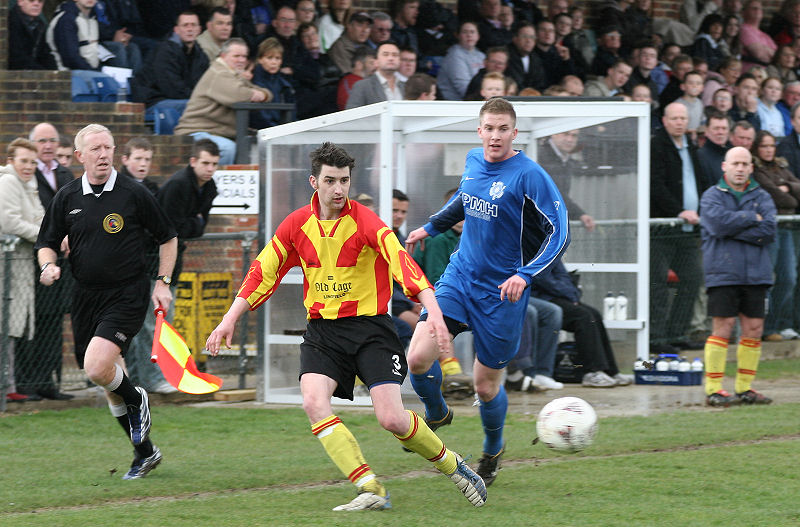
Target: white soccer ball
{"points": [[567, 424]]}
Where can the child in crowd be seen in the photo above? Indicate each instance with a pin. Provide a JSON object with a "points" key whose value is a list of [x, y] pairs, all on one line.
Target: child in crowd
{"points": [[493, 85], [642, 93], [692, 87], [768, 113], [722, 100], [267, 75], [64, 151]]}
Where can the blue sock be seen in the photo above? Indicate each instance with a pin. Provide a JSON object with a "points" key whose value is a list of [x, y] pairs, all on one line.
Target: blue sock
{"points": [[493, 416], [429, 388]]}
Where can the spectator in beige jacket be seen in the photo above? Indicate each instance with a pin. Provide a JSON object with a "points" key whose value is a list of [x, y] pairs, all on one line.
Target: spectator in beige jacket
{"points": [[210, 106], [21, 213]]}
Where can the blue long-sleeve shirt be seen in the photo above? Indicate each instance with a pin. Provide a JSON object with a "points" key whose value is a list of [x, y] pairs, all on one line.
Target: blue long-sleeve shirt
{"points": [[515, 220]]}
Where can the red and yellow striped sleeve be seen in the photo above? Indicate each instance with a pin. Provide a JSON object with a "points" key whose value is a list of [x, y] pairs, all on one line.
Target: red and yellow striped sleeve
{"points": [[402, 266], [270, 266]]}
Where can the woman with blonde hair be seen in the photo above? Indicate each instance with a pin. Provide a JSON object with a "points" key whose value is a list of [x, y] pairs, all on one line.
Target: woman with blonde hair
{"points": [[21, 214]]}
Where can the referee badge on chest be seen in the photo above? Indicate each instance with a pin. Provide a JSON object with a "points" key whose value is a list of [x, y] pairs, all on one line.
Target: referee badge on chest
{"points": [[113, 223]]}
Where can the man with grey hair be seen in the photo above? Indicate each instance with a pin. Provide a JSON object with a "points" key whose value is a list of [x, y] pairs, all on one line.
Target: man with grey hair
{"points": [[790, 97], [107, 219], [39, 360], [381, 29]]}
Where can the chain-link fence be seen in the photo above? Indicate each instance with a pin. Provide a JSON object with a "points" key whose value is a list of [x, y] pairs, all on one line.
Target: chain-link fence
{"points": [[36, 344], [38, 358]]}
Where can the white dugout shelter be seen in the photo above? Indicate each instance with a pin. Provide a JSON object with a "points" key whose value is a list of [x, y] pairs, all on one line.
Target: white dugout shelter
{"points": [[419, 147]]}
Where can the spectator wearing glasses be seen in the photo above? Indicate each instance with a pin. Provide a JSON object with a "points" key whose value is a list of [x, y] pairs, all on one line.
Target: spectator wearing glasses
{"points": [[381, 29]]}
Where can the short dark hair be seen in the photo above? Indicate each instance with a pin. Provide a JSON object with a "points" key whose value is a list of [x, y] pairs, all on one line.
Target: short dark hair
{"points": [[361, 54], [744, 125], [219, 11], [713, 113], [743, 77], [387, 42], [204, 145], [693, 72], [187, 12], [399, 195], [65, 141], [331, 155], [137, 143], [522, 24], [417, 84]]}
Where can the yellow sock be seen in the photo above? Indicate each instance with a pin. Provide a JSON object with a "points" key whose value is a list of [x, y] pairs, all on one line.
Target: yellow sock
{"points": [[747, 355], [450, 366], [343, 449], [716, 351], [423, 441]]}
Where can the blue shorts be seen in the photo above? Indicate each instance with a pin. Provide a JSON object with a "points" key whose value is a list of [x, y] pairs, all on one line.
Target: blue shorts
{"points": [[496, 326]]}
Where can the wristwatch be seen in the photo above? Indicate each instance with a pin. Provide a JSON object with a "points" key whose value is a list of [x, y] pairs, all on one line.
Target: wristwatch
{"points": [[164, 278], [44, 266]]}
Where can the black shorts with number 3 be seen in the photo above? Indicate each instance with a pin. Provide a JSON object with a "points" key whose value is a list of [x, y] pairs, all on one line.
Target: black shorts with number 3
{"points": [[343, 348]]}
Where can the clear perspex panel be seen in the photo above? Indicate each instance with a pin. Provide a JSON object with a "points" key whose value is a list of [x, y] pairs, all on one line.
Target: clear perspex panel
{"points": [[420, 147]]}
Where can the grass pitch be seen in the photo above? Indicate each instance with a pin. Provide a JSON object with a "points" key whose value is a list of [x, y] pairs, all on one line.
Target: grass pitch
{"points": [[246, 467]]}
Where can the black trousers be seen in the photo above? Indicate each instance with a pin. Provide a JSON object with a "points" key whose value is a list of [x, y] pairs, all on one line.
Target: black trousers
{"points": [[671, 308], [39, 361], [591, 338]]}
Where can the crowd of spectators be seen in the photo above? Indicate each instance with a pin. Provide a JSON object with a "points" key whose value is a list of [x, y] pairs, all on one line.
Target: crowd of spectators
{"points": [[539, 49], [721, 75]]}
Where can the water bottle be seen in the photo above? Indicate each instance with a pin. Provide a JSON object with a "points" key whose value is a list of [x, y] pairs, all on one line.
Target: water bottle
{"points": [[122, 94], [664, 360], [697, 364], [684, 365], [609, 306], [639, 365], [621, 307], [674, 364]]}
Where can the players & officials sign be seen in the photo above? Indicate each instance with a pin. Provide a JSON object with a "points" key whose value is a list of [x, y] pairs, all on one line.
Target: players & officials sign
{"points": [[238, 192]]}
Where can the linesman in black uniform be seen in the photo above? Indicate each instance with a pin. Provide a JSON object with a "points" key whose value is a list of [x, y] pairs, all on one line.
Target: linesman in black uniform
{"points": [[103, 218]]}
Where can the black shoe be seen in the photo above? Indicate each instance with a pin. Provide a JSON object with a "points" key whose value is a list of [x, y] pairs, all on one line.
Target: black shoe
{"points": [[55, 395], [753, 397], [524, 384], [489, 465], [446, 420], [722, 398]]}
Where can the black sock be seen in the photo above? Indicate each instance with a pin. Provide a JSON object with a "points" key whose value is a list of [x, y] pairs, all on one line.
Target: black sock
{"points": [[128, 392], [143, 450]]}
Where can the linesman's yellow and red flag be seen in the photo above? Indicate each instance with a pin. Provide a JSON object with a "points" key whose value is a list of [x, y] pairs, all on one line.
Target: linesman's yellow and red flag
{"points": [[172, 355]]}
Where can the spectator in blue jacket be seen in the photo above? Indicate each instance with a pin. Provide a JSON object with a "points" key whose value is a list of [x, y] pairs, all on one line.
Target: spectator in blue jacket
{"points": [[591, 339], [737, 224], [74, 37]]}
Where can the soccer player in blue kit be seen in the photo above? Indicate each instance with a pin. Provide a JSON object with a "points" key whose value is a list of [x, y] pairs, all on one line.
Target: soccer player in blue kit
{"points": [[515, 226]]}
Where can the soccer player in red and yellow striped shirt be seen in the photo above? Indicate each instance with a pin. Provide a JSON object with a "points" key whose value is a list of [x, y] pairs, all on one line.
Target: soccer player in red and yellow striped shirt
{"points": [[349, 258]]}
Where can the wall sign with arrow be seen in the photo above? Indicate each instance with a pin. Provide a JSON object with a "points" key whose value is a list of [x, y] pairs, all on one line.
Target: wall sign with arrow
{"points": [[238, 192]]}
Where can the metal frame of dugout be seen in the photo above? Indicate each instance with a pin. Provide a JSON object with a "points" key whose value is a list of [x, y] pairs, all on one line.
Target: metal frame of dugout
{"points": [[419, 147]]}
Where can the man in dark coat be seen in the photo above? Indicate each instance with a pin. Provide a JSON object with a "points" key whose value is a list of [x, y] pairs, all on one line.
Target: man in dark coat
{"points": [[176, 66], [186, 197], [27, 48], [524, 66], [676, 184]]}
